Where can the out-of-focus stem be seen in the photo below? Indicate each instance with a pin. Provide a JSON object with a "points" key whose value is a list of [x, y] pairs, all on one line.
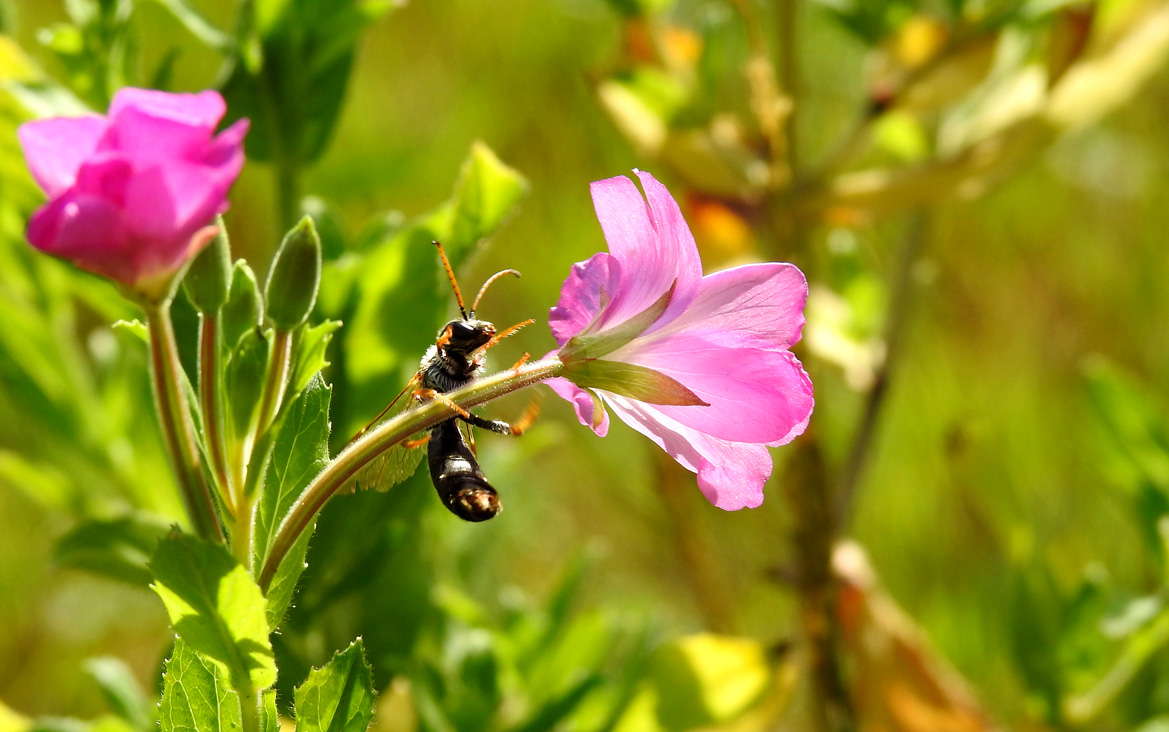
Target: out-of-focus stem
{"points": [[369, 446], [175, 420], [900, 290], [705, 581], [209, 400], [814, 533]]}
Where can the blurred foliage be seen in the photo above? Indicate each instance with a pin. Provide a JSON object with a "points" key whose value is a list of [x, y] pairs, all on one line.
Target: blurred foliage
{"points": [[1017, 500]]}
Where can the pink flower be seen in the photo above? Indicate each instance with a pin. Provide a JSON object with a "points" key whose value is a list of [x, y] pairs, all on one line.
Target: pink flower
{"points": [[130, 192], [700, 365]]}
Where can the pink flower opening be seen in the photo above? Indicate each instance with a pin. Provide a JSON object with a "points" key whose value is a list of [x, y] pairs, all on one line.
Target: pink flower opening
{"points": [[132, 192], [724, 337]]}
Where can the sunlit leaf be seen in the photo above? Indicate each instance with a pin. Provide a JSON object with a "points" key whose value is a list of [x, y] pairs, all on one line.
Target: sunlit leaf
{"points": [[338, 697], [197, 695], [215, 607]]}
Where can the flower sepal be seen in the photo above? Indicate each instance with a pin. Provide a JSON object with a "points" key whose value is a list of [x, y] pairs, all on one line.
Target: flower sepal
{"points": [[630, 380], [587, 345]]}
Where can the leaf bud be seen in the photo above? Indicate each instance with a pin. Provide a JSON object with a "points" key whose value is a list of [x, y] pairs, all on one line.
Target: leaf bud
{"points": [[241, 313], [209, 275], [294, 277]]}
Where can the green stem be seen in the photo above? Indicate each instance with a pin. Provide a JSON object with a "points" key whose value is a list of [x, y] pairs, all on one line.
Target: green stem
{"points": [[209, 399], [175, 420], [381, 438], [277, 377]]}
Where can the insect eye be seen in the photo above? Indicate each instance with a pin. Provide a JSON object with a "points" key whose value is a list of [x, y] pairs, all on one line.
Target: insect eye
{"points": [[461, 331]]}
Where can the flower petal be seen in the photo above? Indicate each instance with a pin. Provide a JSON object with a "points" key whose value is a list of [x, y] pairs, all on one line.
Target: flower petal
{"points": [[584, 404], [653, 245], [583, 296], [752, 306], [55, 148], [158, 127], [86, 230], [730, 474], [754, 395]]}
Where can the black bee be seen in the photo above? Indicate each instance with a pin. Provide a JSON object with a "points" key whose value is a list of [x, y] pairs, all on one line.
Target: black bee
{"points": [[455, 360]]}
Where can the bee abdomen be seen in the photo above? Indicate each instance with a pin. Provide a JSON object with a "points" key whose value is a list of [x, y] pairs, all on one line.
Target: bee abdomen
{"points": [[457, 477]]}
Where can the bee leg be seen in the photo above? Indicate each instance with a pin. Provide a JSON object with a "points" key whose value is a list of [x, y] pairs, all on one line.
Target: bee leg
{"points": [[515, 428], [521, 425], [497, 426], [518, 364], [425, 394], [505, 333], [411, 444]]}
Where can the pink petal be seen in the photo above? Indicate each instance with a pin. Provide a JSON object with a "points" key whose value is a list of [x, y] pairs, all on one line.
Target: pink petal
{"points": [[753, 306], [754, 395], [157, 127], [730, 474], [583, 403], [227, 149], [55, 148], [583, 296], [86, 230], [105, 175], [654, 247]]}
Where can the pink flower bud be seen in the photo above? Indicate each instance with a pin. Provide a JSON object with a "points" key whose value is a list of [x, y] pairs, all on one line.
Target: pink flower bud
{"points": [[130, 194]]}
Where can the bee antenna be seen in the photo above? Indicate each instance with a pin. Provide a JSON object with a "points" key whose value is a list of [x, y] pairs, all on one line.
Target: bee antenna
{"points": [[487, 284], [450, 273]]}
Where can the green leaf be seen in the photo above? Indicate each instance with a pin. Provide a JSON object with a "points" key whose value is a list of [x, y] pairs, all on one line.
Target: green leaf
{"points": [[338, 697], [300, 452], [216, 608], [311, 344], [486, 192], [633, 381], [116, 548], [294, 95], [244, 378], [122, 692], [196, 695]]}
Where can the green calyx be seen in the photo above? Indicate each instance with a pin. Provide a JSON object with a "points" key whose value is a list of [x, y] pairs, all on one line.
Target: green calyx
{"points": [[295, 276], [630, 380], [586, 346]]}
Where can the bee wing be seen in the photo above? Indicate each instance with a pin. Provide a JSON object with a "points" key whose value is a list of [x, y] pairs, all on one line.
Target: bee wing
{"points": [[388, 469]]}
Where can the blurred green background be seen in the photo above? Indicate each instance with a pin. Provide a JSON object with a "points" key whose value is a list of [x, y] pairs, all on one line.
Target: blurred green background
{"points": [[1022, 447]]}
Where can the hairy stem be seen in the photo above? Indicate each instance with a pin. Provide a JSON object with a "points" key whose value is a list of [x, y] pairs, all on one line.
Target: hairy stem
{"points": [[381, 438], [277, 377], [175, 420]]}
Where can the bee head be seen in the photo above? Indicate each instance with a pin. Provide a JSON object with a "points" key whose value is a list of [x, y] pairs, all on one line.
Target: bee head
{"points": [[465, 336]]}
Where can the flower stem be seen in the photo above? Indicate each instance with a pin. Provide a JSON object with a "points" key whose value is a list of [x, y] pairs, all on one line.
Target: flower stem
{"points": [[209, 399], [175, 420], [277, 376], [384, 436]]}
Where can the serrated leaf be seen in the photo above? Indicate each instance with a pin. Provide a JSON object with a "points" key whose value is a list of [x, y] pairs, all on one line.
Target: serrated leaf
{"points": [[338, 697], [300, 452], [197, 695], [117, 548], [122, 692], [215, 607], [310, 353]]}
